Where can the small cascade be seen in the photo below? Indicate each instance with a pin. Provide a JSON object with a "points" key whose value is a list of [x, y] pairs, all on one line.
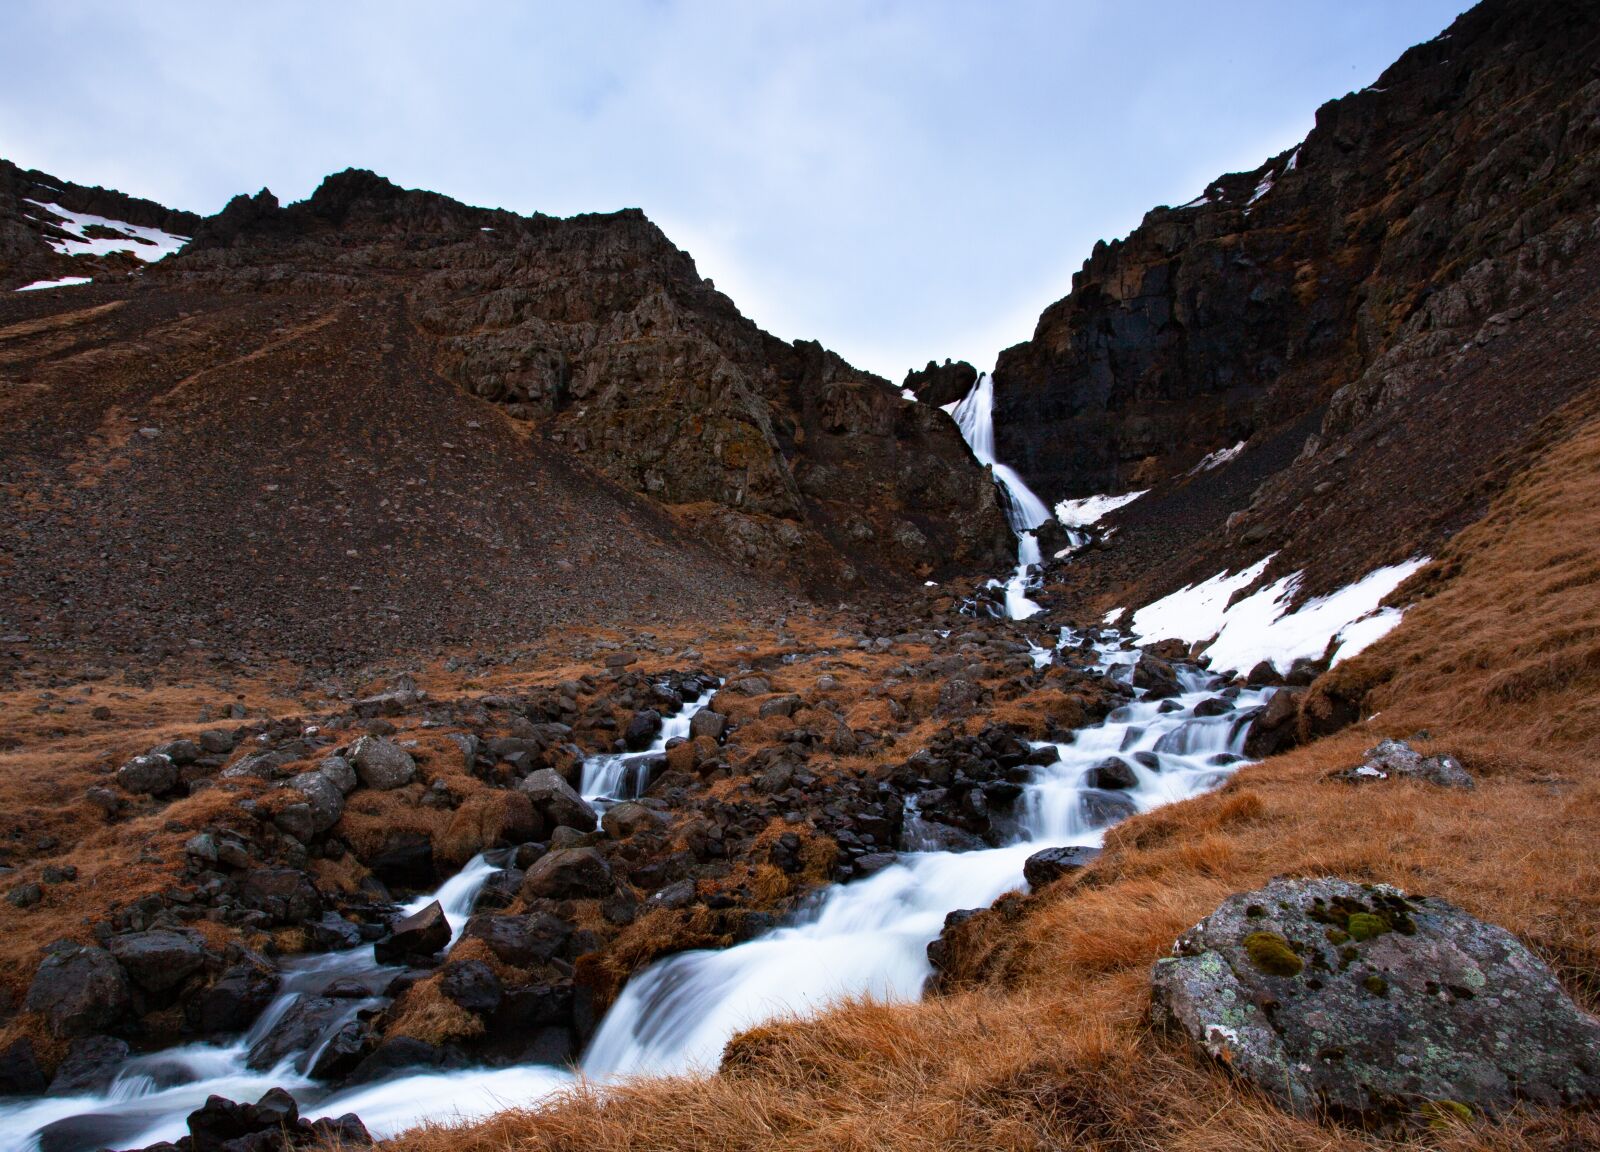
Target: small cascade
{"points": [[625, 775], [152, 1095], [870, 937], [974, 415]]}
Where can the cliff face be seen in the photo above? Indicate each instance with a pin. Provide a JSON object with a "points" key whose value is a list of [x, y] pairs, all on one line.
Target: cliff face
{"points": [[1330, 282], [603, 337]]}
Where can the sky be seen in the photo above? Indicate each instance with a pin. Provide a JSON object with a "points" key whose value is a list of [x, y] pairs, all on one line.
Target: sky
{"points": [[902, 181]]}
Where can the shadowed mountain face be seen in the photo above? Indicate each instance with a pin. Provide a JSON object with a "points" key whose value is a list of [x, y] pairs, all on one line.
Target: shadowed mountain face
{"points": [[1342, 310], [380, 420]]}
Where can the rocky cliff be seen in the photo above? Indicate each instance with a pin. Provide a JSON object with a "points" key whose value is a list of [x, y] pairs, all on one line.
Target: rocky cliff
{"points": [[1327, 298]]}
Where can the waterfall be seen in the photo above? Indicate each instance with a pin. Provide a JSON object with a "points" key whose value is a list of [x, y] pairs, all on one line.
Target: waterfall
{"points": [[974, 415], [625, 775]]}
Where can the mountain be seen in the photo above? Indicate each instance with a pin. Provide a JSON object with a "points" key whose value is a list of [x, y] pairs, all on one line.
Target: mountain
{"points": [[380, 418], [1381, 317]]}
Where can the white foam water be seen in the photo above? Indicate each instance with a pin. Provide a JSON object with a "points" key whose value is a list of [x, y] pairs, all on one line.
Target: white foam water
{"points": [[625, 775]]}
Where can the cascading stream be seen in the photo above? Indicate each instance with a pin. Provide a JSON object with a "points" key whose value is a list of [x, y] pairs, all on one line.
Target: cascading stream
{"points": [[625, 775], [868, 937], [974, 415]]}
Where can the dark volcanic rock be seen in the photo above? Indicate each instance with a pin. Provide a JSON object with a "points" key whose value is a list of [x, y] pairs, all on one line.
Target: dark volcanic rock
{"points": [[160, 959], [941, 384], [91, 1063], [1053, 863], [568, 873], [421, 934], [558, 802], [1365, 1002], [79, 990], [521, 940]]}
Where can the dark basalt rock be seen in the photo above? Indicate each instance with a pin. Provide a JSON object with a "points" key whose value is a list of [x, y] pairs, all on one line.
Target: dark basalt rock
{"points": [[1053, 863], [568, 873], [941, 384], [79, 990], [1363, 1002], [160, 959], [420, 935]]}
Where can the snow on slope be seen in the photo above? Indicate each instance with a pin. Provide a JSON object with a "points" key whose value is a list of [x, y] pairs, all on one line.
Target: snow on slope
{"points": [[148, 244], [1088, 510]]}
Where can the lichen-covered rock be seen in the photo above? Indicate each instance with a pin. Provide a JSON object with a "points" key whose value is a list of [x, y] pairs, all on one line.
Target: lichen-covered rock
{"points": [[382, 764], [149, 775], [1395, 759], [1363, 1002]]}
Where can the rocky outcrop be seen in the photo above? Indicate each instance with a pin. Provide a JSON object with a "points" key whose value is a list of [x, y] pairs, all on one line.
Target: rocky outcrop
{"points": [[941, 384], [1332, 274], [1367, 1003], [602, 335]]}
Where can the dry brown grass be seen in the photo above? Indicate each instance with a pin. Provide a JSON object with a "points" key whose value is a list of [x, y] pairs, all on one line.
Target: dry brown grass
{"points": [[1046, 1046], [425, 1013]]}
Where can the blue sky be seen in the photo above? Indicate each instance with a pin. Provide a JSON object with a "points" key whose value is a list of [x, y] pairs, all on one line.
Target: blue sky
{"points": [[900, 180]]}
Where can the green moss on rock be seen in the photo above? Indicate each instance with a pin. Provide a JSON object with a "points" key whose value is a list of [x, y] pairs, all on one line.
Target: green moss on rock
{"points": [[1272, 954]]}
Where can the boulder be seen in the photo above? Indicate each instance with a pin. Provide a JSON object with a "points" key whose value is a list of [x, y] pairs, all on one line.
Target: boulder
{"points": [[1112, 773], [324, 796], [707, 723], [300, 1030], [238, 996], [79, 990], [556, 801], [568, 873], [642, 729], [625, 819], [91, 1063], [471, 984], [160, 959], [421, 934], [1157, 677], [341, 772], [1360, 1001], [287, 895], [381, 764], [1053, 863], [1276, 727], [148, 775], [1395, 759], [521, 941], [20, 1074]]}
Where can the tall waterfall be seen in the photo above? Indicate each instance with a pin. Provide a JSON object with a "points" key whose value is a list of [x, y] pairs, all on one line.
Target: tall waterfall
{"points": [[974, 415]]}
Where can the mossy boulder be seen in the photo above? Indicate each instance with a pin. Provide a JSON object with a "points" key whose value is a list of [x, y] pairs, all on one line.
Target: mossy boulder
{"points": [[1359, 1001]]}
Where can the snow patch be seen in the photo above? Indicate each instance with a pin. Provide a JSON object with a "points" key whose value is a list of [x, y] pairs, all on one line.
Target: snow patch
{"points": [[1260, 627], [148, 244], [64, 282], [1089, 510], [908, 394], [1218, 458]]}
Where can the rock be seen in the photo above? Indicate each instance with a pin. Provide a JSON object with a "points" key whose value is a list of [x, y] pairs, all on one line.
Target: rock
{"points": [[1275, 728], [403, 1054], [296, 820], [217, 742], [642, 729], [405, 861], [324, 798], [25, 895], [957, 697], [1263, 675], [332, 933], [521, 941], [1053, 863], [381, 764], [941, 384], [421, 934], [236, 999], [160, 959], [271, 1124], [1156, 676], [1112, 773], [556, 801], [91, 1063], [1213, 706], [148, 775], [625, 819], [779, 706], [299, 1030], [707, 723], [1357, 1000], [20, 1074], [340, 772], [180, 752], [287, 895], [568, 873], [472, 985], [79, 990], [1395, 759]]}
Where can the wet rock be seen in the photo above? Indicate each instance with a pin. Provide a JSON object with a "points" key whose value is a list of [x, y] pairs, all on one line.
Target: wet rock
{"points": [[90, 1065], [642, 729], [79, 990], [557, 802], [1213, 706], [472, 985], [1364, 1002], [1101, 809], [568, 873], [332, 933], [402, 1054], [1053, 863], [521, 941], [419, 935], [238, 996], [160, 959], [148, 775], [301, 1027], [20, 1074], [1113, 773], [1275, 728], [271, 1124], [381, 764], [405, 861], [1156, 676], [1395, 759]]}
